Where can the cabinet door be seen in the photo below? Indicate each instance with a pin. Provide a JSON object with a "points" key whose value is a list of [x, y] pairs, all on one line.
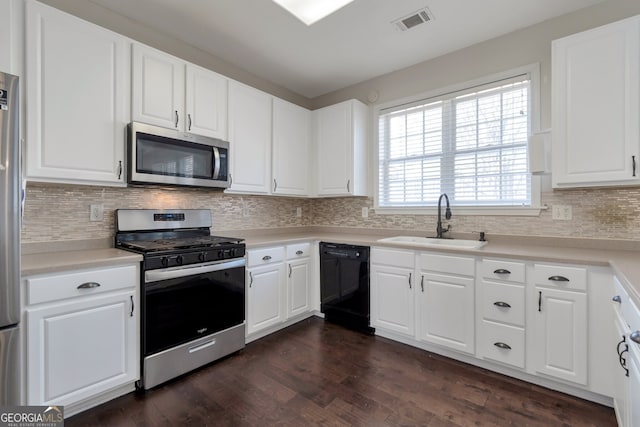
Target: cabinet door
{"points": [[446, 311], [206, 101], [265, 306], [77, 350], [250, 139], [291, 149], [298, 280], [334, 141], [77, 102], [158, 88], [560, 334], [392, 299], [596, 113], [633, 396]]}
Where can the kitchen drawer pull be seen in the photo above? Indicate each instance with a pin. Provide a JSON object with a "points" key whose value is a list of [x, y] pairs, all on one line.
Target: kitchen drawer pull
{"points": [[89, 285], [617, 299], [558, 279], [299, 252], [409, 280], [501, 271], [250, 279], [635, 337], [266, 257], [502, 345], [502, 304], [290, 270]]}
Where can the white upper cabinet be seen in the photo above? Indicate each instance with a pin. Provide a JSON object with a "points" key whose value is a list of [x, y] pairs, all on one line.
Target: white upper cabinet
{"points": [[77, 75], [291, 149], [249, 139], [172, 93], [595, 104], [342, 156]]}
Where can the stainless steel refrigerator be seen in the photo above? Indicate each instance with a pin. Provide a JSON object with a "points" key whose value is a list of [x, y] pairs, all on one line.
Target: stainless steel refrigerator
{"points": [[9, 241]]}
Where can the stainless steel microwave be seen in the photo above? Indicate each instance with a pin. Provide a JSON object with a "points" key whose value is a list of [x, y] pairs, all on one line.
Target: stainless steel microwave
{"points": [[157, 155]]}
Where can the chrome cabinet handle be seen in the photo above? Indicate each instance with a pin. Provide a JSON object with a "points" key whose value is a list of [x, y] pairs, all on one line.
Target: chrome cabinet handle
{"points": [[289, 270], [633, 163], [89, 285], [299, 252], [502, 304], [119, 169], [275, 185], [540, 301], [502, 345], [558, 279], [230, 179], [189, 121], [250, 279], [422, 283], [617, 299], [177, 118], [409, 280], [635, 337], [132, 306], [348, 182], [501, 271], [266, 257]]}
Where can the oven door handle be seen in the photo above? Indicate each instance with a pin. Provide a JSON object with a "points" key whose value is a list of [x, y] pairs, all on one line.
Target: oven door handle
{"points": [[158, 275]]}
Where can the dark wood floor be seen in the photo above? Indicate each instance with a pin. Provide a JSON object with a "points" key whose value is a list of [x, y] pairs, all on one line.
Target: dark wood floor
{"points": [[316, 373]]}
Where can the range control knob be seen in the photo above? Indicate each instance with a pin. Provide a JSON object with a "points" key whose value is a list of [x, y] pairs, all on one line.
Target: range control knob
{"points": [[232, 252], [179, 260], [220, 254], [201, 257], [164, 261]]}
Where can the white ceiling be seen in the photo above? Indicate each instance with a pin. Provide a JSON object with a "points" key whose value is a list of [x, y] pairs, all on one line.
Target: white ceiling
{"points": [[356, 43]]}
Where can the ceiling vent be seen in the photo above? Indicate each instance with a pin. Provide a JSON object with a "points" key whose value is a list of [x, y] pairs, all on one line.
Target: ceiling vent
{"points": [[422, 16]]}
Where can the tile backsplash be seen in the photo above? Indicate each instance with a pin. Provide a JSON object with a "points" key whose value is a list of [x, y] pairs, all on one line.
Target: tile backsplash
{"points": [[61, 212]]}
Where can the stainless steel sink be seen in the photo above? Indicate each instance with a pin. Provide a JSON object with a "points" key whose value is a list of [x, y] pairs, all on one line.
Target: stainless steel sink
{"points": [[433, 242]]}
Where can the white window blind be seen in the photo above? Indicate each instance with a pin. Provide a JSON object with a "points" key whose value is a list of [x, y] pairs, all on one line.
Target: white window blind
{"points": [[470, 144]]}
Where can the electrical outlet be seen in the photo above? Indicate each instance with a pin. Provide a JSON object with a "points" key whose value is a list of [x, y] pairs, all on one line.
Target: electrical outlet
{"points": [[96, 212], [562, 212], [365, 212], [298, 212]]}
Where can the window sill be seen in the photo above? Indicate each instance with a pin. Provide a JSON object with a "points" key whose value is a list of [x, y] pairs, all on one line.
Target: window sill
{"points": [[465, 210]]}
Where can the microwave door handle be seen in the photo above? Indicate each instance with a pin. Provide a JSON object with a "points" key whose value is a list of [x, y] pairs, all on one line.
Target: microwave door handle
{"points": [[216, 162]]}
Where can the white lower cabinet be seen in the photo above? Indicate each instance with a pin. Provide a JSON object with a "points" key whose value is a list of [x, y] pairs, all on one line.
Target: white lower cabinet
{"points": [[446, 301], [81, 335], [278, 286], [392, 290], [560, 325]]}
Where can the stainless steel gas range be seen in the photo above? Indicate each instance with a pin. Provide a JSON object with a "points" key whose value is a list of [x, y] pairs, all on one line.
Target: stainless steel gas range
{"points": [[192, 290]]}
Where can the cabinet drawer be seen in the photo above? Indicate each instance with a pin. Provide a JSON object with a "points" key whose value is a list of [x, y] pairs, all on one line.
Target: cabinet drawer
{"points": [[502, 343], [264, 256], [560, 276], [447, 264], [502, 303], [393, 257], [299, 250], [53, 287], [508, 271]]}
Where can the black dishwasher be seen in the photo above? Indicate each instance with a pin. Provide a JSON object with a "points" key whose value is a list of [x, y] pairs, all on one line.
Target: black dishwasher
{"points": [[344, 285]]}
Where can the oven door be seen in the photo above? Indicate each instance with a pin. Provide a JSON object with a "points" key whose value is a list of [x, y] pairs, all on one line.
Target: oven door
{"points": [[183, 304]]}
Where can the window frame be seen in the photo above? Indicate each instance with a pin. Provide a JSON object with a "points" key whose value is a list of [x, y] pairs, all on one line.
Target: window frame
{"points": [[533, 70]]}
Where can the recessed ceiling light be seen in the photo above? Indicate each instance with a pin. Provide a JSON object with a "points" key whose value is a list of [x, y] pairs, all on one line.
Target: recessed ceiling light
{"points": [[310, 11]]}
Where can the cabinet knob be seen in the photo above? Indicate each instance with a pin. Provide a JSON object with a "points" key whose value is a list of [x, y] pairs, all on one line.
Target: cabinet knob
{"points": [[617, 299], [89, 285], [635, 337]]}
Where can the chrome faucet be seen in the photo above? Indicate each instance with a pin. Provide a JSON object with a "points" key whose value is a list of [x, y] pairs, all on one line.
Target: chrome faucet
{"points": [[447, 214]]}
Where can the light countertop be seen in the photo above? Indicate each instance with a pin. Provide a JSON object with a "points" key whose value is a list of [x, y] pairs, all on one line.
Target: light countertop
{"points": [[622, 256]]}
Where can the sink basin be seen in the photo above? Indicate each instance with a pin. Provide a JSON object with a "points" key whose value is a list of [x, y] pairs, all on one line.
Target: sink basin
{"points": [[434, 242]]}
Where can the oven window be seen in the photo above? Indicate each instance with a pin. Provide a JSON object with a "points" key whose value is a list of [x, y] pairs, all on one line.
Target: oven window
{"points": [[165, 156], [180, 310]]}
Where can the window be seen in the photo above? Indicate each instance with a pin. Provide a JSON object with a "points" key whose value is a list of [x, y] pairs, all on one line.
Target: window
{"points": [[471, 144]]}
